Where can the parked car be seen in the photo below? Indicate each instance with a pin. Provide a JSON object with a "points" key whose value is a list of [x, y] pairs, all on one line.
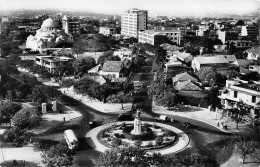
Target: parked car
{"points": [[93, 124], [124, 117], [162, 118]]}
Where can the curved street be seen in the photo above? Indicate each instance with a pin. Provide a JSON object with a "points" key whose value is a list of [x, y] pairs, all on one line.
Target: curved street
{"points": [[204, 138]]}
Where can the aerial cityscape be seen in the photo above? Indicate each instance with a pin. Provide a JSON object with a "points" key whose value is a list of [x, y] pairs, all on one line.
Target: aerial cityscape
{"points": [[131, 83]]}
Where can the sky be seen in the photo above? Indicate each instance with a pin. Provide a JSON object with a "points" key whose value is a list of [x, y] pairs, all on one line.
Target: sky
{"points": [[154, 7]]}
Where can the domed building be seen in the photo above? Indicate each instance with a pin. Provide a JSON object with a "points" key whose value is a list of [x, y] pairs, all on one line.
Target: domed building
{"points": [[48, 36]]}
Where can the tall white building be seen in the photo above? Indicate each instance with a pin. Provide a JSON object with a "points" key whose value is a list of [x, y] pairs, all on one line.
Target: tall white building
{"points": [[133, 21]]}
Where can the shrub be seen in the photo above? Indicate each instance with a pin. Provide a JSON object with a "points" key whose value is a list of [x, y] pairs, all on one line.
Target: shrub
{"points": [[159, 140], [26, 118], [169, 133], [16, 134], [167, 139], [154, 125], [116, 142], [150, 144], [138, 143], [126, 145]]}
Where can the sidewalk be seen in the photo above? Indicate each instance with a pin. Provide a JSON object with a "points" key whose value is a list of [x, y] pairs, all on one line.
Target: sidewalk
{"points": [[203, 115], [51, 120], [96, 104]]}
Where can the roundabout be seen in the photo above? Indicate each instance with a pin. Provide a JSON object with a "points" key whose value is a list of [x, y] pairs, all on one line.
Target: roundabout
{"points": [[174, 143]]}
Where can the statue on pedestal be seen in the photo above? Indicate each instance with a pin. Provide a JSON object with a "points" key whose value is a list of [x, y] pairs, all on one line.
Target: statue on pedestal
{"points": [[137, 124]]}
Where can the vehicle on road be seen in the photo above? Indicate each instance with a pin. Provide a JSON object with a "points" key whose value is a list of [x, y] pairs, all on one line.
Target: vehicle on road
{"points": [[71, 139], [162, 118], [124, 117], [94, 124]]}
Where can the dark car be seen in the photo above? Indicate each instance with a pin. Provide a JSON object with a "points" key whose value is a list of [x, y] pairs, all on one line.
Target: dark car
{"points": [[93, 124], [124, 117]]}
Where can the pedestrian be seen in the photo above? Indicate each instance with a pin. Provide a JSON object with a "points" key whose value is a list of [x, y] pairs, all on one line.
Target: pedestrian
{"points": [[64, 119], [64, 91], [14, 162]]}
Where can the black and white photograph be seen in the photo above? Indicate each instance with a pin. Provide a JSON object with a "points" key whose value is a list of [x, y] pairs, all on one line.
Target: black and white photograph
{"points": [[129, 83]]}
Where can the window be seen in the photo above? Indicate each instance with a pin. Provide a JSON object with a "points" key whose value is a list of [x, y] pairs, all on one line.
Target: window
{"points": [[235, 94], [253, 99]]}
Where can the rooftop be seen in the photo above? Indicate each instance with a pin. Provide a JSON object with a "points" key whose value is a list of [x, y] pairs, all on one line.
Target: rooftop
{"points": [[183, 77], [112, 66], [160, 32], [187, 86], [250, 86], [211, 60], [254, 50]]}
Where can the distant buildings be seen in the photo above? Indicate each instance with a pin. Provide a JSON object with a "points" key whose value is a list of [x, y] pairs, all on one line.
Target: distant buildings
{"points": [[107, 31], [29, 29], [225, 36], [47, 36], [4, 26], [133, 21], [70, 27], [154, 37]]}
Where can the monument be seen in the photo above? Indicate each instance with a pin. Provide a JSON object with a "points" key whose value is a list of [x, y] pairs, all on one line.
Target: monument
{"points": [[137, 124], [44, 108]]}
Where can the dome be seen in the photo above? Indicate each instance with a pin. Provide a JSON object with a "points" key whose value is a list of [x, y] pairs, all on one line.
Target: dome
{"points": [[49, 23]]}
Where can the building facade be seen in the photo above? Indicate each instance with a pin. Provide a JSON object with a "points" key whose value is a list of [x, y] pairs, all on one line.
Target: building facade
{"points": [[214, 61], [48, 36], [70, 27], [154, 36], [107, 31], [53, 63], [239, 91], [133, 21]]}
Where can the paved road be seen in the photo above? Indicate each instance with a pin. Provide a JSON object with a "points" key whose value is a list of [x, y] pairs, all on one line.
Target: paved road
{"points": [[201, 134]]}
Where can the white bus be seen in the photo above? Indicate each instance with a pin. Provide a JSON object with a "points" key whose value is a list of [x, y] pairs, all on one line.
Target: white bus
{"points": [[71, 139]]}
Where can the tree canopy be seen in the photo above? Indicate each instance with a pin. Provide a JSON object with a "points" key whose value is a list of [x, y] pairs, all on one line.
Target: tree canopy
{"points": [[8, 110], [135, 157], [81, 66], [27, 118], [58, 155]]}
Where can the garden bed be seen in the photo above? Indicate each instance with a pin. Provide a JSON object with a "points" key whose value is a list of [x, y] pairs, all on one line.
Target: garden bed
{"points": [[154, 138]]}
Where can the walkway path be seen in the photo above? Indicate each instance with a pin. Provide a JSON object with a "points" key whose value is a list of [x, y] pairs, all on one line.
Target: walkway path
{"points": [[182, 143], [201, 114]]}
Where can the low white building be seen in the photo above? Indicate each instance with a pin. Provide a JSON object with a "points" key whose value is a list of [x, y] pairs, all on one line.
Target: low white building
{"points": [[53, 63], [241, 91], [123, 54], [153, 36], [112, 69], [253, 53], [107, 31], [214, 61]]}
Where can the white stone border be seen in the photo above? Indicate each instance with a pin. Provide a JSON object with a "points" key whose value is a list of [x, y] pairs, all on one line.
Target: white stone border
{"points": [[182, 143]]}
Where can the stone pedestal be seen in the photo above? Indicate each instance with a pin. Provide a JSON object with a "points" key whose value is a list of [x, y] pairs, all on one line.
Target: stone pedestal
{"points": [[54, 106], [44, 108], [137, 127]]}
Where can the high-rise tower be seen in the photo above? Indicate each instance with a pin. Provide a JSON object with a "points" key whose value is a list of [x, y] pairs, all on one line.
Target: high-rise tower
{"points": [[132, 21]]}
